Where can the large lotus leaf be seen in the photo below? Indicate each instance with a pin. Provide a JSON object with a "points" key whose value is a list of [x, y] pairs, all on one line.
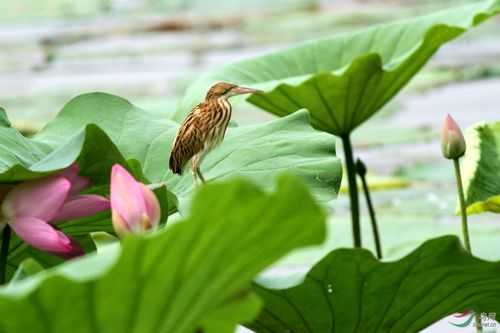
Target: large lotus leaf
{"points": [[195, 272], [492, 204], [350, 291], [259, 152], [4, 121], [24, 158], [345, 79], [481, 168]]}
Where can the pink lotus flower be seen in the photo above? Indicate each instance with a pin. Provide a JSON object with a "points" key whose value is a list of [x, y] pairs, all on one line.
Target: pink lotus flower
{"points": [[452, 139], [33, 207], [134, 206]]}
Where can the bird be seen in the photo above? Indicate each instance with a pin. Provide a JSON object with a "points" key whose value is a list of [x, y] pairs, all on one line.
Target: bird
{"points": [[204, 128]]}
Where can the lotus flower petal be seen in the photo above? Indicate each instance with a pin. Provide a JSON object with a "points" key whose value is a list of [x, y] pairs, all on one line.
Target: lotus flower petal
{"points": [[41, 198], [76, 250], [153, 210], [78, 183], [127, 199], [81, 206], [43, 236], [120, 225]]}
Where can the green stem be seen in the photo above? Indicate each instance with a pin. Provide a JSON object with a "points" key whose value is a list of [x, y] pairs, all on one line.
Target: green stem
{"points": [[479, 325], [465, 226], [361, 170], [353, 189], [4, 251], [463, 209]]}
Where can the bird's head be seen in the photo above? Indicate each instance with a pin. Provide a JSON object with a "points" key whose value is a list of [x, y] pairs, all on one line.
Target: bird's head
{"points": [[226, 90]]}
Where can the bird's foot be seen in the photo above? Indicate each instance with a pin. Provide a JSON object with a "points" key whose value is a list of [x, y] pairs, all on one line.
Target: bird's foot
{"points": [[200, 176]]}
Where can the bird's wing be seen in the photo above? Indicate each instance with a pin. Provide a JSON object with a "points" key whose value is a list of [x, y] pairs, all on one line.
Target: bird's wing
{"points": [[188, 141]]}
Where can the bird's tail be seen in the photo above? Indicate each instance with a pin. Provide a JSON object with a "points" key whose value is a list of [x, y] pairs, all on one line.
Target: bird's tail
{"points": [[174, 165]]}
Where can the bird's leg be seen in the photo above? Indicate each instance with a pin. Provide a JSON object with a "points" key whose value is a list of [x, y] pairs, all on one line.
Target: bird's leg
{"points": [[195, 169], [200, 176], [195, 177]]}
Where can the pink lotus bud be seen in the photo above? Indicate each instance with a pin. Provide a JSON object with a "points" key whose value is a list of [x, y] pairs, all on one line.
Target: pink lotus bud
{"points": [[452, 139], [134, 207]]}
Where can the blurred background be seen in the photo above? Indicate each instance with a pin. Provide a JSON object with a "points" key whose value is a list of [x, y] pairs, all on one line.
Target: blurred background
{"points": [[148, 51]]}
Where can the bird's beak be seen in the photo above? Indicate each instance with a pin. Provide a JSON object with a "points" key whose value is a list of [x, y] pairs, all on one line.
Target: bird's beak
{"points": [[244, 90]]}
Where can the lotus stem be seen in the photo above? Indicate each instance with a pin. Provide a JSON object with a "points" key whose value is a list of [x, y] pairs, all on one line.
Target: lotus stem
{"points": [[361, 170], [465, 226], [463, 209], [4, 251], [353, 189]]}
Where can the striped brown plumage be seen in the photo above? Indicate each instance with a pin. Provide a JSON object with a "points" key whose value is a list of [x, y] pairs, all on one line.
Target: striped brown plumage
{"points": [[204, 128]]}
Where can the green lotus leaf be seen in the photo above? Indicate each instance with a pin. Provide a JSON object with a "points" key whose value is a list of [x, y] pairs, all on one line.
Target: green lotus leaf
{"points": [[178, 279], [491, 204], [345, 79], [4, 120], [481, 168], [350, 291]]}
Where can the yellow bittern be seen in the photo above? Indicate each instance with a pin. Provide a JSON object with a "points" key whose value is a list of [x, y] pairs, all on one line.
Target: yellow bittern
{"points": [[204, 128]]}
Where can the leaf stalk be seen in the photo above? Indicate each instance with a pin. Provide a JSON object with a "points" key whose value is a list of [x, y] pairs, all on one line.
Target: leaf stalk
{"points": [[465, 226], [361, 170], [4, 251], [353, 189]]}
